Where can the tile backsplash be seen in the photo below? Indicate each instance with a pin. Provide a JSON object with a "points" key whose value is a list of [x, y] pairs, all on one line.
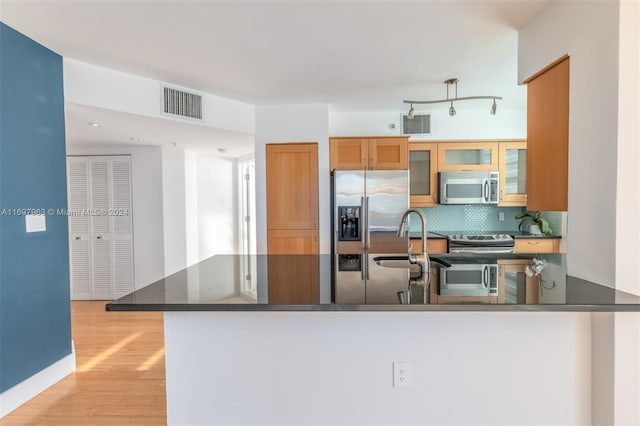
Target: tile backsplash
{"points": [[480, 218]]}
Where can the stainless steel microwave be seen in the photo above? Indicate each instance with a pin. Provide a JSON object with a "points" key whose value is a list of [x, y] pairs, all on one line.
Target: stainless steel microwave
{"points": [[469, 280], [468, 187]]}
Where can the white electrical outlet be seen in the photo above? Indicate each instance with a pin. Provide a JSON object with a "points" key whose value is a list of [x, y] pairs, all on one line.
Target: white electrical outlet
{"points": [[501, 216], [401, 374]]}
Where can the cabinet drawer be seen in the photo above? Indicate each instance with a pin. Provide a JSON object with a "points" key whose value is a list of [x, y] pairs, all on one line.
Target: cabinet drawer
{"points": [[433, 246], [537, 245]]}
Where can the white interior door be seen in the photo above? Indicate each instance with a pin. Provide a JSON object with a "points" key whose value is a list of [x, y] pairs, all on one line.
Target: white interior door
{"points": [[100, 227]]}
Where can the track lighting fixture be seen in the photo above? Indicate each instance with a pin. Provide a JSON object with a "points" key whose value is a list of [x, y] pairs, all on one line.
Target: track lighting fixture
{"points": [[411, 112], [452, 110]]}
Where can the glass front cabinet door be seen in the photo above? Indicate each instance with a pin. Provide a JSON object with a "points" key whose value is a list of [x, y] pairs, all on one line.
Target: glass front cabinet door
{"points": [[423, 174], [467, 156], [513, 173]]}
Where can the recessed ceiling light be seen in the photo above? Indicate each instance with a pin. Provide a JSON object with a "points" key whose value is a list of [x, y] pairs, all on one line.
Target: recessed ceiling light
{"points": [[222, 150], [134, 139], [92, 124]]}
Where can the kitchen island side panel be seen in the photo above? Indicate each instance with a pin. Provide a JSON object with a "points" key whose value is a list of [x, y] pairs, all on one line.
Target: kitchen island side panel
{"points": [[525, 368]]}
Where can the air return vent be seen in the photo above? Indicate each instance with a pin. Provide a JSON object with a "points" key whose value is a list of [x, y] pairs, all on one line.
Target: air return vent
{"points": [[181, 103], [417, 125]]}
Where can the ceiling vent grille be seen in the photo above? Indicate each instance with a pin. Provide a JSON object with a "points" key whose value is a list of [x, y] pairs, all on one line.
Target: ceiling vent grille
{"points": [[419, 124], [181, 103]]}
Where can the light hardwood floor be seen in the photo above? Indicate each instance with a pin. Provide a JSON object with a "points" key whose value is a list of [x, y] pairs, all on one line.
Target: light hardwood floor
{"points": [[120, 377]]}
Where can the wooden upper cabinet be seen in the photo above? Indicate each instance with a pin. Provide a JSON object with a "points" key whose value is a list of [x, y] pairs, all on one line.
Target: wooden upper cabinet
{"points": [[389, 153], [292, 186], [548, 138], [423, 174], [512, 161], [380, 153], [467, 156], [349, 153]]}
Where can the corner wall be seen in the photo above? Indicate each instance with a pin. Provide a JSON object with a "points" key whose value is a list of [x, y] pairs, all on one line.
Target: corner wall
{"points": [[591, 40], [35, 314]]}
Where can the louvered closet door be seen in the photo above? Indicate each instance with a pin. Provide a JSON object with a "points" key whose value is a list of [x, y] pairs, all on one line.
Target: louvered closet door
{"points": [[102, 258], [100, 230], [121, 227], [79, 243]]}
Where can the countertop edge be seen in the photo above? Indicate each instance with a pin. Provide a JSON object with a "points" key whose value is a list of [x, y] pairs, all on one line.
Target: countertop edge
{"points": [[371, 308]]}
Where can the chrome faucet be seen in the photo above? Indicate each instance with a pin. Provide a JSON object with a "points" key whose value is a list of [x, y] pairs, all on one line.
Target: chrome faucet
{"points": [[402, 231], [423, 259]]}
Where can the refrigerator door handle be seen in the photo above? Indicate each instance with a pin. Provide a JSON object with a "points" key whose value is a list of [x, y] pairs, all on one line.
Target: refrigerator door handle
{"points": [[363, 224], [366, 256], [368, 234]]}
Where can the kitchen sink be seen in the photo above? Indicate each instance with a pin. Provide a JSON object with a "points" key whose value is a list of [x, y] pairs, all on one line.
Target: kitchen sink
{"points": [[395, 262], [402, 261]]}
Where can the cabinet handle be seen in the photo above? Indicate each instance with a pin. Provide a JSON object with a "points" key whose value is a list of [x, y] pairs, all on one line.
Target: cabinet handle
{"points": [[501, 195], [77, 238], [533, 242], [99, 237]]}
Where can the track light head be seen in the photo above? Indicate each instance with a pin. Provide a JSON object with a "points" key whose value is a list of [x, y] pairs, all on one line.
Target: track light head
{"points": [[452, 110], [494, 107], [411, 113]]}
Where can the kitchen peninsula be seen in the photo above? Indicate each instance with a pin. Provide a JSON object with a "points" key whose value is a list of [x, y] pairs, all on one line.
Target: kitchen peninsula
{"points": [[232, 360]]}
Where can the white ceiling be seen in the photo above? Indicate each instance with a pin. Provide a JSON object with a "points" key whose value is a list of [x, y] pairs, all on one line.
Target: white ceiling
{"points": [[353, 55]]}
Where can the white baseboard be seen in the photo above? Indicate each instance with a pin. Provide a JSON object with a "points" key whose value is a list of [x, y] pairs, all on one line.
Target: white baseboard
{"points": [[22, 392]]}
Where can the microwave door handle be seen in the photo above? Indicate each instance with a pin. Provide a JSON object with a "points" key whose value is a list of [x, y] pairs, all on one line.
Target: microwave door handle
{"points": [[485, 190], [485, 277]]}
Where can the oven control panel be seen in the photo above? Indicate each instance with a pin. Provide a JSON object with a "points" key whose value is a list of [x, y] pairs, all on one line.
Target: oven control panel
{"points": [[480, 239]]}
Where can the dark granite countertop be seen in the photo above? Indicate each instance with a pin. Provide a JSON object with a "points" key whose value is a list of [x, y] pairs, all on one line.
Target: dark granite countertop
{"points": [[215, 285]]}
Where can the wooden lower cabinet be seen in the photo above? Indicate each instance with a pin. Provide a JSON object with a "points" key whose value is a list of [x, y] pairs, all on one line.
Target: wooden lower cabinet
{"points": [[514, 286], [293, 279], [292, 241], [433, 246], [537, 245]]}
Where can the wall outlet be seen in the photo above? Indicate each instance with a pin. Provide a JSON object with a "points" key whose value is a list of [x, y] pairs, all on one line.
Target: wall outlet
{"points": [[401, 374], [501, 216]]}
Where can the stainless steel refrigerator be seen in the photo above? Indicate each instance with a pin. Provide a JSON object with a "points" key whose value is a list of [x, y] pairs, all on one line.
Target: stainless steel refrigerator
{"points": [[367, 210]]}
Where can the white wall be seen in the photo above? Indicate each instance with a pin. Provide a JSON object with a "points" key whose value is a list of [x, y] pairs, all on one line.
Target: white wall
{"points": [[96, 86], [468, 123], [603, 245], [465, 368], [173, 208], [148, 221], [588, 32], [293, 123], [627, 325], [191, 207], [628, 188]]}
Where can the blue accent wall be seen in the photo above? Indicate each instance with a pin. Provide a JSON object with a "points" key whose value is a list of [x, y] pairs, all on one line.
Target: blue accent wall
{"points": [[35, 312]]}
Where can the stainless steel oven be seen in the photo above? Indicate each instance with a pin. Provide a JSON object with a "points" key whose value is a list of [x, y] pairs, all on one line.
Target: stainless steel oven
{"points": [[482, 243], [469, 279]]}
